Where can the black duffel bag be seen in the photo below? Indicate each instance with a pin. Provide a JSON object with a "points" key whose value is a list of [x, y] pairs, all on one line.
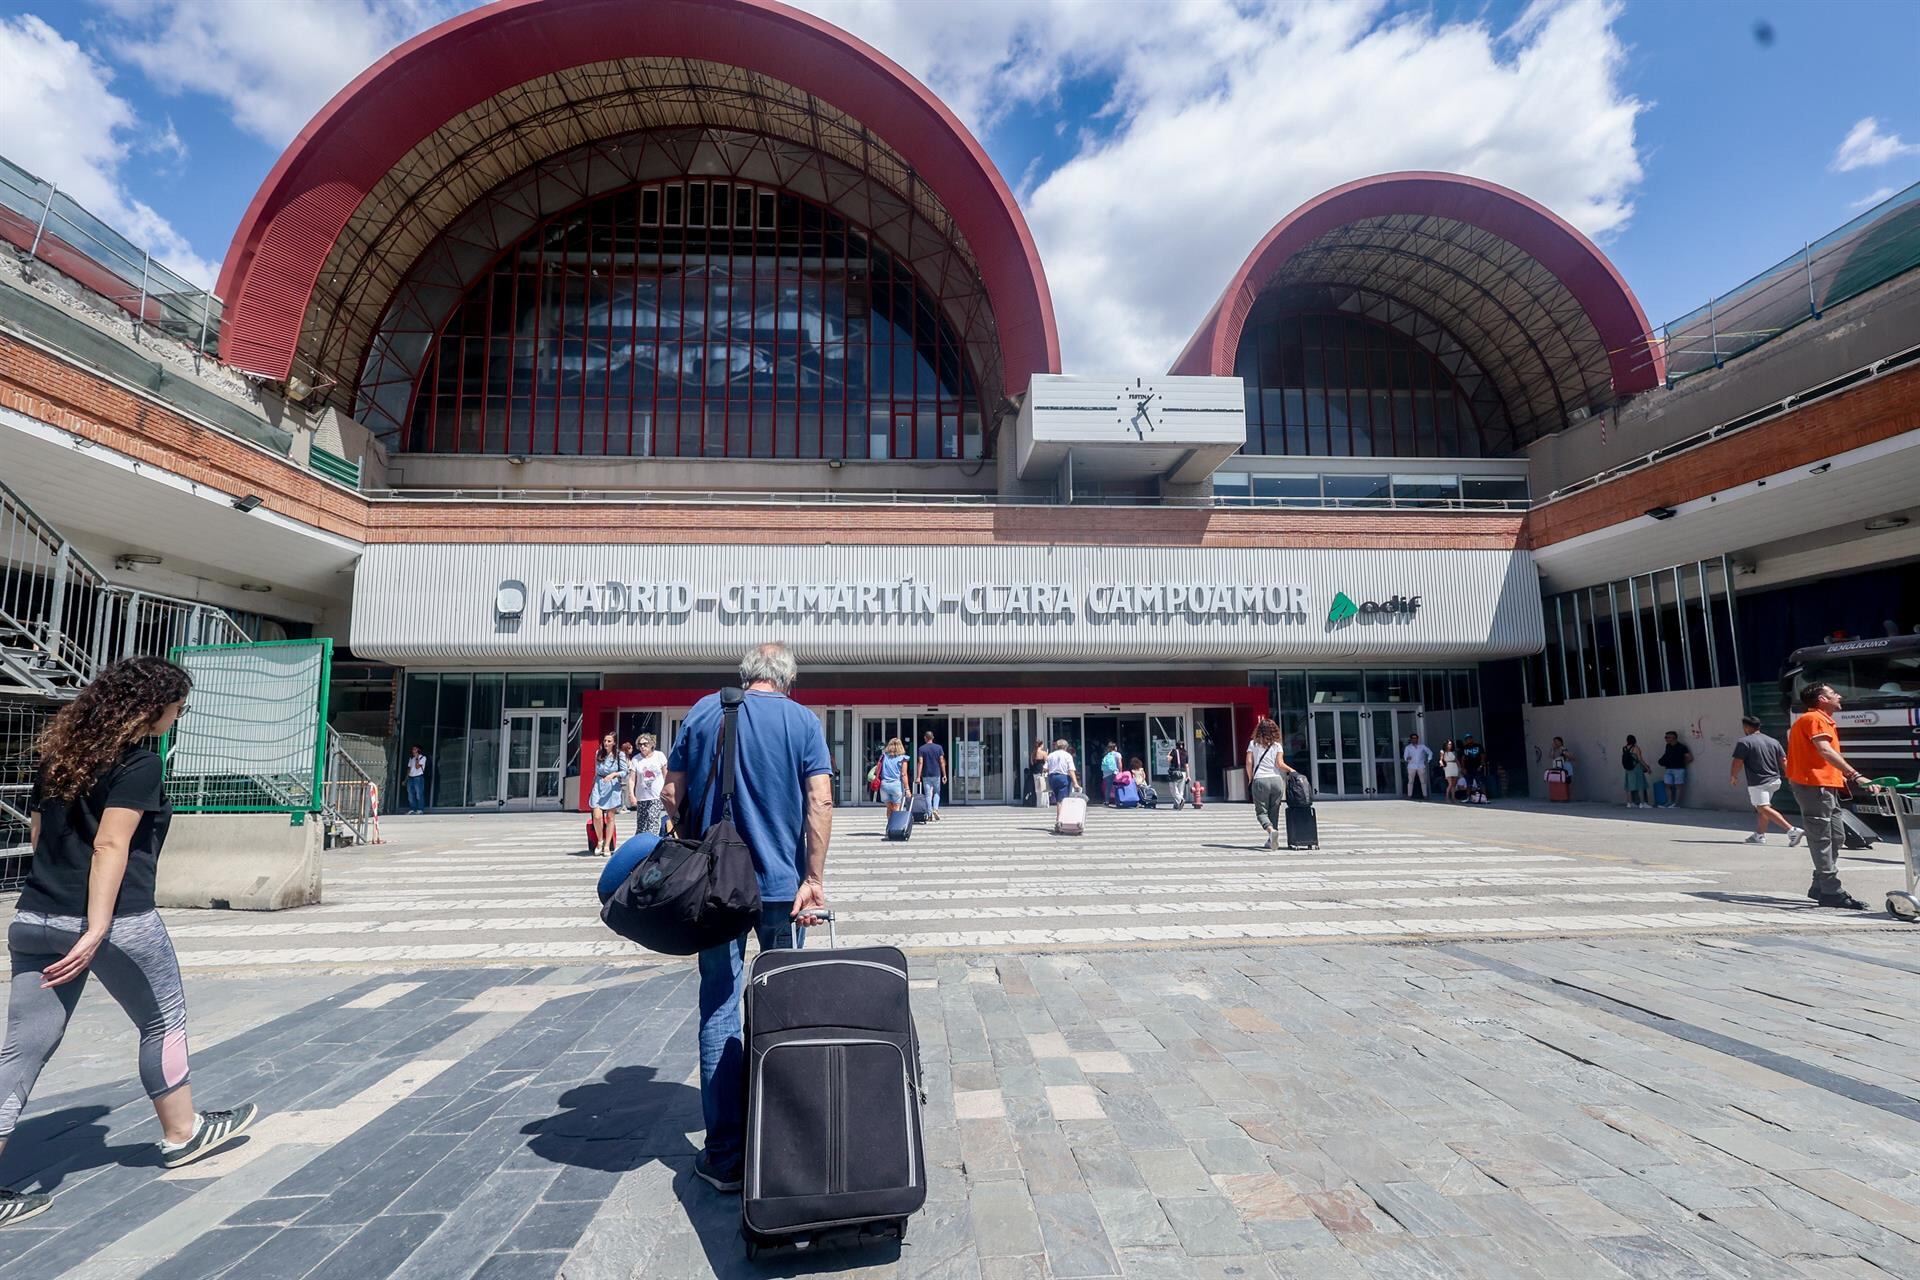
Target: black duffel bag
{"points": [[685, 896]]}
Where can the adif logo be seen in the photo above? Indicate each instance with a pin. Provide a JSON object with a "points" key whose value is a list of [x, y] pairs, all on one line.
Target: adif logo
{"points": [[1395, 609]]}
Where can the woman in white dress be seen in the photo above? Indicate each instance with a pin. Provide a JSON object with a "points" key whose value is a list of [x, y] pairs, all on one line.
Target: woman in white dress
{"points": [[1450, 763]]}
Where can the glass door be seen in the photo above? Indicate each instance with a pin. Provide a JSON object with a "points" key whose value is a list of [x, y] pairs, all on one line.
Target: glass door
{"points": [[1340, 758], [1162, 733], [534, 762], [875, 731], [976, 760], [1385, 750]]}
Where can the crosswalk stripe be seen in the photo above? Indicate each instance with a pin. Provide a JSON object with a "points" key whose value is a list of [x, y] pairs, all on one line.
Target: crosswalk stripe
{"points": [[520, 888]]}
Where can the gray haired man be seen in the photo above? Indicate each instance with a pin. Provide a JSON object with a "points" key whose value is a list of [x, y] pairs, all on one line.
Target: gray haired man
{"points": [[783, 807]]}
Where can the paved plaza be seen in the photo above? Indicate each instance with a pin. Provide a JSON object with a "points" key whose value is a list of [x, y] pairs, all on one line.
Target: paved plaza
{"points": [[1448, 1043]]}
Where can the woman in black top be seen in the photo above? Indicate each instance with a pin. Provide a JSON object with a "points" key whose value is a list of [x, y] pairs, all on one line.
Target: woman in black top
{"points": [[99, 817]]}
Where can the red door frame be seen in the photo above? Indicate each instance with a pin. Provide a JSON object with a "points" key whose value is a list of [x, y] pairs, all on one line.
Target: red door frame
{"points": [[600, 708]]}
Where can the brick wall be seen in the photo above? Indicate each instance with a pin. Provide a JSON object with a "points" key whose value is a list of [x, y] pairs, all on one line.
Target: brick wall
{"points": [[1874, 411], [73, 399]]}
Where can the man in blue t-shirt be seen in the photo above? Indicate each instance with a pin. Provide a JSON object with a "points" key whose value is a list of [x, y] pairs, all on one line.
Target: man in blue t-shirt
{"points": [[783, 807], [930, 773]]}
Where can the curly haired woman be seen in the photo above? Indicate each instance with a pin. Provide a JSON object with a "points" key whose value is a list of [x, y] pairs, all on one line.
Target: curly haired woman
{"points": [[100, 815]]}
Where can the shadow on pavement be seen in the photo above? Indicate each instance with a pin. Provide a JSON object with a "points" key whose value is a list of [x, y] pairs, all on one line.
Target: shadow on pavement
{"points": [[1781, 901], [632, 1117], [49, 1148]]}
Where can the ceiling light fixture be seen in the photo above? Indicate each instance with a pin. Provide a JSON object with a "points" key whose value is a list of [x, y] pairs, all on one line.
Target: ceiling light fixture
{"points": [[1880, 524], [135, 557], [248, 503], [1820, 470], [1662, 513], [255, 586]]}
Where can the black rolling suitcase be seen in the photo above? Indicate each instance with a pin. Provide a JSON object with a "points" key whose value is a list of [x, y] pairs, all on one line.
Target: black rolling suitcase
{"points": [[834, 1092], [1303, 824]]}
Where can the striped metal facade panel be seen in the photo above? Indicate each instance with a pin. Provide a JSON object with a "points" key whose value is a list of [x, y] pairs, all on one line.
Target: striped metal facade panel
{"points": [[420, 605]]}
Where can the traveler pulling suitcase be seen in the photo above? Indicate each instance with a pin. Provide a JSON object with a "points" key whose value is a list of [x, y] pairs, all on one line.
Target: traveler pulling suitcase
{"points": [[900, 825], [1303, 824], [1070, 815], [834, 1091]]}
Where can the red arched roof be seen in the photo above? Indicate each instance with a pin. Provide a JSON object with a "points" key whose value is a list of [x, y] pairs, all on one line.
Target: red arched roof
{"points": [[300, 210], [1636, 361]]}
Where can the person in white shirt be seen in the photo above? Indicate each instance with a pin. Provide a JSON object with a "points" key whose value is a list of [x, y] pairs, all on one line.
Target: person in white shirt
{"points": [[1063, 779], [646, 771], [416, 780], [1417, 756], [1267, 768]]}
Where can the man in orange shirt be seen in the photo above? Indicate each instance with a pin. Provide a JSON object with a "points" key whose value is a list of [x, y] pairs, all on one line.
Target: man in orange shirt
{"points": [[1819, 776]]}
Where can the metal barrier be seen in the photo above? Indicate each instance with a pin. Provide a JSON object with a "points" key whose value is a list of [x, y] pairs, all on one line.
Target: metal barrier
{"points": [[42, 223], [1880, 244], [348, 797], [256, 738]]}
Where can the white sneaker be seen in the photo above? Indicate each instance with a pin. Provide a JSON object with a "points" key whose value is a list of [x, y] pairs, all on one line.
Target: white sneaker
{"points": [[1757, 838], [1795, 836]]}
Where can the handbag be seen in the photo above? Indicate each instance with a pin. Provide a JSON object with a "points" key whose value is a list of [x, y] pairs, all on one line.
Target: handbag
{"points": [[690, 895]]}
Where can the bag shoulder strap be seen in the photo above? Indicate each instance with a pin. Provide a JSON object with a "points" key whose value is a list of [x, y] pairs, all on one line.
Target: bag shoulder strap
{"points": [[728, 748]]}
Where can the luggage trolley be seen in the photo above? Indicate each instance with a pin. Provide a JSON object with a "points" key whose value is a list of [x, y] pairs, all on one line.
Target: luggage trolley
{"points": [[1901, 802]]}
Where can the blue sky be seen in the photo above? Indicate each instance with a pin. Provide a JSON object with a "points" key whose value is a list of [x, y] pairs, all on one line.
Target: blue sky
{"points": [[1695, 152]]}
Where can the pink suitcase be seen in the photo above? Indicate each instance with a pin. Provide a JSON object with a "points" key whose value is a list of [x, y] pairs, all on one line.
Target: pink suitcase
{"points": [[1070, 817]]}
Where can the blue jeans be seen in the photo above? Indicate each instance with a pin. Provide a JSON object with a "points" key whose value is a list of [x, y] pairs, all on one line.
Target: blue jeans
{"points": [[723, 1054], [416, 793], [930, 787]]}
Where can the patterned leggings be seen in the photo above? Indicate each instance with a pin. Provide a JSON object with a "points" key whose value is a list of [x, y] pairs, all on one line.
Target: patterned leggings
{"points": [[137, 966]]}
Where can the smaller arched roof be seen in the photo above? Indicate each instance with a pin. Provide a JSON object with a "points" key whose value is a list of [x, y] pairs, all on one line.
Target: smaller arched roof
{"points": [[472, 94], [1537, 305]]}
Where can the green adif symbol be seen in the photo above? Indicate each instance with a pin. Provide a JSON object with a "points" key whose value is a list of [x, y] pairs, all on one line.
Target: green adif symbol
{"points": [[1343, 608]]}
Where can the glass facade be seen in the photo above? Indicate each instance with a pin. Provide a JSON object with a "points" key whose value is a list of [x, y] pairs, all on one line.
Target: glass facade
{"points": [[1342, 385], [461, 720], [1660, 632], [698, 319], [1449, 698]]}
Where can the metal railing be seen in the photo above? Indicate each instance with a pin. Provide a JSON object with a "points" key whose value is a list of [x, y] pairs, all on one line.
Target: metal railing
{"points": [[61, 620], [1880, 244], [907, 498], [346, 796], [41, 222]]}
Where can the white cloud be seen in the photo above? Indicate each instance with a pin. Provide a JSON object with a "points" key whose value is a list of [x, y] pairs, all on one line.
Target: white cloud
{"points": [[1865, 146], [274, 64], [1875, 197], [81, 135], [1226, 114]]}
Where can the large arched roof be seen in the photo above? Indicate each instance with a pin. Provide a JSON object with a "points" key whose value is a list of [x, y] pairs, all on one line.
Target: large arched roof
{"points": [[1533, 302], [400, 153]]}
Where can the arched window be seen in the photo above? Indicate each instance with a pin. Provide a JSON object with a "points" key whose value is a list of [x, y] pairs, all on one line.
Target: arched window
{"points": [[1341, 383], [698, 318]]}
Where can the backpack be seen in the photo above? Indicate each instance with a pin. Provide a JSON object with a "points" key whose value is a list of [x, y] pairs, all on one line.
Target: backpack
{"points": [[1627, 762], [687, 896]]}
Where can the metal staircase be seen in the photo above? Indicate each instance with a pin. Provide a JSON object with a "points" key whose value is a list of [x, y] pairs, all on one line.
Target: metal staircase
{"points": [[62, 622]]}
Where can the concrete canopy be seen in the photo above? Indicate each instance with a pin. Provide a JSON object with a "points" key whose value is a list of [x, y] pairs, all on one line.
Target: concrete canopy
{"points": [[418, 138], [1528, 298]]}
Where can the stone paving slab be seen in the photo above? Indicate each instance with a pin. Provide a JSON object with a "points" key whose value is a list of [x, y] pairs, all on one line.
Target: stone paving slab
{"points": [[1648, 1107]]}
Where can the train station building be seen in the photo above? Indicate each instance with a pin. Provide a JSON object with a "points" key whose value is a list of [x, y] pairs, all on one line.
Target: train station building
{"points": [[563, 357]]}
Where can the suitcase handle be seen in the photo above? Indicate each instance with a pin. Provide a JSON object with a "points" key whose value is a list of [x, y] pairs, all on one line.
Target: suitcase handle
{"points": [[826, 914]]}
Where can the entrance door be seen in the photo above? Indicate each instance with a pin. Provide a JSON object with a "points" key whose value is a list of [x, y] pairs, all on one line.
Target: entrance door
{"points": [[1356, 749], [976, 759], [534, 762], [875, 731]]}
